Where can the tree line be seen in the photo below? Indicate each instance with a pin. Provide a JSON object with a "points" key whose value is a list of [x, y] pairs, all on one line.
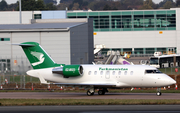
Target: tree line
{"points": [[33, 5]]}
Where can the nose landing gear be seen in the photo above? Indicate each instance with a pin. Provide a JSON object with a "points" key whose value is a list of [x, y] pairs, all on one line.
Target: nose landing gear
{"points": [[158, 92]]}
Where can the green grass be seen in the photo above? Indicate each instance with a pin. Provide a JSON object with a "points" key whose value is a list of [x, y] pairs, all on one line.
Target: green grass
{"points": [[30, 102]]}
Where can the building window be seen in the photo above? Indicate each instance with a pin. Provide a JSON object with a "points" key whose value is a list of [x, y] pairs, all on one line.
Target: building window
{"points": [[162, 50], [150, 50], [37, 16], [130, 20], [4, 39], [138, 50], [116, 22], [104, 21], [5, 66]]}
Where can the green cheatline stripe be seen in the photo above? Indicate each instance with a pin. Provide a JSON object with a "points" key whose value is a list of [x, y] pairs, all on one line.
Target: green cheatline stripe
{"points": [[27, 102]]}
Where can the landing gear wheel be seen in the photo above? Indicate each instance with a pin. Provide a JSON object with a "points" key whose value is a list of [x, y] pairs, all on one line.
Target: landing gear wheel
{"points": [[89, 93], [101, 92], [158, 93]]}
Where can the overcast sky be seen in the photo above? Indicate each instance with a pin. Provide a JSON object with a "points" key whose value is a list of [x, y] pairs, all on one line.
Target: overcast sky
{"points": [[14, 1]]}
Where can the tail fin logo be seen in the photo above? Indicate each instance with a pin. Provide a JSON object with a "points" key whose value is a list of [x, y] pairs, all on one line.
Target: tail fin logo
{"points": [[39, 56]]}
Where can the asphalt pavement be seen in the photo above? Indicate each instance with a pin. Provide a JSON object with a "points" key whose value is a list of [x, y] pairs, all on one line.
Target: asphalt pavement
{"points": [[61, 95], [92, 109]]}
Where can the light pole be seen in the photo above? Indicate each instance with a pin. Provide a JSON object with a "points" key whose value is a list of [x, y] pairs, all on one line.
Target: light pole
{"points": [[20, 19]]}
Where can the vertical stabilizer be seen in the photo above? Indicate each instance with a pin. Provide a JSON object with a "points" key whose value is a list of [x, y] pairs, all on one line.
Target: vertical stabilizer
{"points": [[37, 56]]}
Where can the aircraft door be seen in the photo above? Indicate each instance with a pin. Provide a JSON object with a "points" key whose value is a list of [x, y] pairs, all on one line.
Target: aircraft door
{"points": [[107, 76]]}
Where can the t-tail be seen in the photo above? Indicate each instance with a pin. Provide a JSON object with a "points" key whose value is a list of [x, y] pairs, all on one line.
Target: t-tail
{"points": [[37, 56]]}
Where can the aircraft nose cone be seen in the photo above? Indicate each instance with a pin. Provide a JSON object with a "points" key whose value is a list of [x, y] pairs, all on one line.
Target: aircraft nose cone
{"points": [[172, 81], [168, 80]]}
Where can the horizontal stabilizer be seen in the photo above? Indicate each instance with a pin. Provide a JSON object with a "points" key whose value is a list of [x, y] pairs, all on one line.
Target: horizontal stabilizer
{"points": [[28, 45]]}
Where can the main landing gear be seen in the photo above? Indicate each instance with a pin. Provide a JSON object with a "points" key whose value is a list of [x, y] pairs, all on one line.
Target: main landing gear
{"points": [[158, 92], [100, 92], [90, 92]]}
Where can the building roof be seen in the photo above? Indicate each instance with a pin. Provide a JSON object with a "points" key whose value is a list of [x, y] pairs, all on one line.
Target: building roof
{"points": [[39, 26]]}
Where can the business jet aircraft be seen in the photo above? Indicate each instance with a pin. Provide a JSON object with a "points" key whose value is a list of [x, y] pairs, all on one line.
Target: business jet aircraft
{"points": [[92, 77]]}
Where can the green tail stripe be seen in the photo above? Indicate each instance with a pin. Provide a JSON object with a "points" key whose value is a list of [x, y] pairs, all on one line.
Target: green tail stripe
{"points": [[37, 56]]}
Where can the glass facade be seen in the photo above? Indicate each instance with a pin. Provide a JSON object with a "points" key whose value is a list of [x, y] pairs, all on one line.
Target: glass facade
{"points": [[4, 39], [37, 16], [140, 51], [130, 20]]}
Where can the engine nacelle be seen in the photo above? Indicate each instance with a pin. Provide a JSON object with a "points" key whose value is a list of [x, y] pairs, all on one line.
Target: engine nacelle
{"points": [[69, 70]]}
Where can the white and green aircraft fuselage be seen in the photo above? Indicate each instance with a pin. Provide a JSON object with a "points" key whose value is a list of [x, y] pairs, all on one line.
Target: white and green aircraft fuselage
{"points": [[92, 77]]}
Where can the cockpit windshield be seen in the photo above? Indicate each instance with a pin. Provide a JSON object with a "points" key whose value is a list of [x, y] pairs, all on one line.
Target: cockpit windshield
{"points": [[152, 71]]}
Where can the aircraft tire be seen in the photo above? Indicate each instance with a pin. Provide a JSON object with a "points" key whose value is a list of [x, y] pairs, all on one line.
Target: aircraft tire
{"points": [[101, 92], [158, 93], [89, 93]]}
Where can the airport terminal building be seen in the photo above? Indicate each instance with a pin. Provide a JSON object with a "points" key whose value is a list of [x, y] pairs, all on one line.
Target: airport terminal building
{"points": [[132, 31], [135, 31]]}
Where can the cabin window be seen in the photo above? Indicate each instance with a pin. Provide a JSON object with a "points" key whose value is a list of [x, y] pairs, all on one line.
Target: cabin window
{"points": [[89, 73], [125, 73], [101, 72], [95, 73], [113, 73], [107, 72], [152, 71], [119, 73], [131, 72]]}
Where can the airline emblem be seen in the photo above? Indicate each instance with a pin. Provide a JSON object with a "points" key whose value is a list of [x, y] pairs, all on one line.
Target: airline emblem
{"points": [[39, 56]]}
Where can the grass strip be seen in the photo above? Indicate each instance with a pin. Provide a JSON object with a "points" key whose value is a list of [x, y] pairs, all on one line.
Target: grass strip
{"points": [[31, 102]]}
